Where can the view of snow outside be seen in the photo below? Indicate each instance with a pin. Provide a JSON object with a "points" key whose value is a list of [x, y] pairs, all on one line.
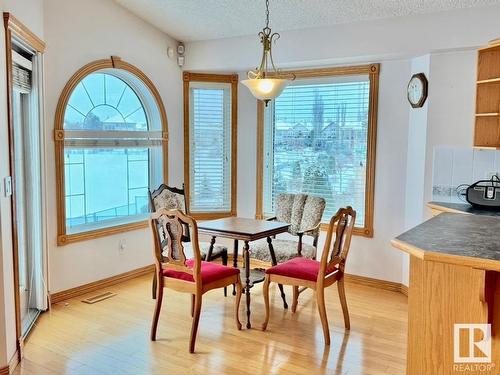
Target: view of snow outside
{"points": [[105, 183], [319, 145]]}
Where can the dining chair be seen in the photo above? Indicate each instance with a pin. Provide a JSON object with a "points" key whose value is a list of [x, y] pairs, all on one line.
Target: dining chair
{"points": [[193, 276], [318, 275], [304, 213], [173, 198]]}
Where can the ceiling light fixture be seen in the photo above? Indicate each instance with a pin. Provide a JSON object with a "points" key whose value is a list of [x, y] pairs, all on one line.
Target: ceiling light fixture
{"points": [[266, 84]]}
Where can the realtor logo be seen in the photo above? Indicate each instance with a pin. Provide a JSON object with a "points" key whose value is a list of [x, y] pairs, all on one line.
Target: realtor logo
{"points": [[472, 343]]}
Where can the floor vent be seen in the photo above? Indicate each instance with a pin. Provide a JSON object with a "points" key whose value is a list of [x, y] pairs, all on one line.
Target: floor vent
{"points": [[99, 297]]}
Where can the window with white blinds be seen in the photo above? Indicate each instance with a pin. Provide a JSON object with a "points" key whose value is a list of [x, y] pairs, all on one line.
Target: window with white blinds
{"points": [[210, 147], [316, 142]]}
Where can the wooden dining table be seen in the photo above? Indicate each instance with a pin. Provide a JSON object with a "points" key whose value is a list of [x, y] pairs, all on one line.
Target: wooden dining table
{"points": [[247, 230]]}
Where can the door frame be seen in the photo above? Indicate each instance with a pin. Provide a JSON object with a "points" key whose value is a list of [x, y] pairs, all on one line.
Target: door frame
{"points": [[14, 28]]}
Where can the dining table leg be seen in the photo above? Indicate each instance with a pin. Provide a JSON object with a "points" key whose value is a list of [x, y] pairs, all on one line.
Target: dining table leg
{"points": [[235, 260], [275, 262], [246, 254]]}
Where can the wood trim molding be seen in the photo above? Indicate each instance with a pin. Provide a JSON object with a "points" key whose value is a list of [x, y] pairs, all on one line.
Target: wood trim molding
{"points": [[11, 366], [66, 239], [96, 285], [213, 78], [374, 283], [19, 30], [114, 62], [14, 29], [372, 70]]}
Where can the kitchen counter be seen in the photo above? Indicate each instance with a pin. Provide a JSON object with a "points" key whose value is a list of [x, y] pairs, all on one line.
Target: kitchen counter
{"points": [[455, 235], [454, 279], [463, 208]]}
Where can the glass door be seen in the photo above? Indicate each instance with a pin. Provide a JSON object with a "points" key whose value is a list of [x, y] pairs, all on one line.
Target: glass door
{"points": [[27, 189]]}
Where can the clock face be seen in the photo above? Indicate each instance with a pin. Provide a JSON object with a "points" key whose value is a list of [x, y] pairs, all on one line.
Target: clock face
{"points": [[417, 90]]}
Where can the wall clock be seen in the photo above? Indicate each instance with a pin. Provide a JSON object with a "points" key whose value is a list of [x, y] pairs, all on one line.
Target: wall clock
{"points": [[417, 90]]}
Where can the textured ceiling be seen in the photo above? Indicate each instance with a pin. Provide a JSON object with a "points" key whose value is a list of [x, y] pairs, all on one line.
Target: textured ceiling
{"points": [[189, 20]]}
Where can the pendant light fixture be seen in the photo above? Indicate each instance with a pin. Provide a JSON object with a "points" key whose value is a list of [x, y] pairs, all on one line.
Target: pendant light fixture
{"points": [[267, 82]]}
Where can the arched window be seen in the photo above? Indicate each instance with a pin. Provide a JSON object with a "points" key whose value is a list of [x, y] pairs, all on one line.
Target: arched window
{"points": [[111, 147]]}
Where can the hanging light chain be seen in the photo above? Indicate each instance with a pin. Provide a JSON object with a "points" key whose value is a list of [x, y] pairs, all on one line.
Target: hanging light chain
{"points": [[267, 13]]}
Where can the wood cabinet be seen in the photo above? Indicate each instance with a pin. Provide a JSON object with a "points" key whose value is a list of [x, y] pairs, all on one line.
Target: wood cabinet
{"points": [[487, 122]]}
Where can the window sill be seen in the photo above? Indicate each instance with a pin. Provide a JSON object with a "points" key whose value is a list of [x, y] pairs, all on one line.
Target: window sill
{"points": [[65, 239], [211, 215]]}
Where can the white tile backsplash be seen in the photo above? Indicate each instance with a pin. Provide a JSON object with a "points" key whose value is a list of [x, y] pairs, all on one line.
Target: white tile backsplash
{"points": [[455, 166]]}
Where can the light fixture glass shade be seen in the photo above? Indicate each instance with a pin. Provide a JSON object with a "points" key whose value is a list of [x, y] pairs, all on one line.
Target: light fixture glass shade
{"points": [[266, 88]]}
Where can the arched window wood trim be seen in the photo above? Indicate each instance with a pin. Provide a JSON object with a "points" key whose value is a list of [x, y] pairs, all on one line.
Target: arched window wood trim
{"points": [[113, 62]]}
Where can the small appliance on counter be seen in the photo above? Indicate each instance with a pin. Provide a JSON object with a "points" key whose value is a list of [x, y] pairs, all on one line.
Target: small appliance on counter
{"points": [[484, 194]]}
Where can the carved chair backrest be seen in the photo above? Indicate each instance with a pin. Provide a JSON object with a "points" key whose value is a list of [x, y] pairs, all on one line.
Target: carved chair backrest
{"points": [[170, 254], [302, 211], [338, 240], [170, 198]]}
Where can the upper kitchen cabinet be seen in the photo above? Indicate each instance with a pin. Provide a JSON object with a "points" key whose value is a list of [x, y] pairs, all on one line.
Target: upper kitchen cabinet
{"points": [[487, 123]]}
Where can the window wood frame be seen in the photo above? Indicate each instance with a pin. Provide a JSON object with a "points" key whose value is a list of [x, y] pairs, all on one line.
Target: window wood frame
{"points": [[372, 70], [114, 62], [212, 78]]}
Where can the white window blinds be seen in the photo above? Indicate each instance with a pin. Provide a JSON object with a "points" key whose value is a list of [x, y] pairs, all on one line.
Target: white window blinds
{"points": [[210, 147], [315, 142]]}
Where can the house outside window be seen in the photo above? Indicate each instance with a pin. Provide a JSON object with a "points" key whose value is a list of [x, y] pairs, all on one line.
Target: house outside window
{"points": [[318, 137]]}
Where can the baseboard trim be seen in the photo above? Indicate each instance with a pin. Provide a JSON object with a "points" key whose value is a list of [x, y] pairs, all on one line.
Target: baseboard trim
{"points": [[377, 283], [100, 284], [404, 289], [9, 369]]}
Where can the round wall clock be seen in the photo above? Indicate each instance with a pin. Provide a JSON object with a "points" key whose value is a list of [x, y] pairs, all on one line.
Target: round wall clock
{"points": [[417, 90]]}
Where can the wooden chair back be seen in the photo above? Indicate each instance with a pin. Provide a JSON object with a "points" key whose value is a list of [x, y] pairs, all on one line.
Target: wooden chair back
{"points": [[338, 241], [170, 198], [170, 254]]}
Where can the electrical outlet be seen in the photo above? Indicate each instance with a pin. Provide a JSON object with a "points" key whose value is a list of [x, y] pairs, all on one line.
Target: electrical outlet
{"points": [[122, 245]]}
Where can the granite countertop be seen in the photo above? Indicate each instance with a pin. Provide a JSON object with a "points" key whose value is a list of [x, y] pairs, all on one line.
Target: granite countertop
{"points": [[453, 234], [465, 208]]}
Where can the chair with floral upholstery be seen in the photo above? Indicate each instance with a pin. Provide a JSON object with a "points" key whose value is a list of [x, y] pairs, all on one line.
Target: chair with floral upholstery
{"points": [[172, 198], [304, 213]]}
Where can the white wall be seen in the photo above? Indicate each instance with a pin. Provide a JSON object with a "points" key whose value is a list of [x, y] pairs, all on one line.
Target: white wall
{"points": [[452, 102], [403, 37], [78, 32], [30, 13]]}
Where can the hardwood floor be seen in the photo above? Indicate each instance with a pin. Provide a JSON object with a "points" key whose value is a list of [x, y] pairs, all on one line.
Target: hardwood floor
{"points": [[112, 336]]}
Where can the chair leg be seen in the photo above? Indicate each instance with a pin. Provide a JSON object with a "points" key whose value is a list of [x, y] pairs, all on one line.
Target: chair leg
{"points": [[196, 320], [154, 285], [320, 299], [192, 305], [343, 302], [239, 289], [295, 298], [224, 262], [265, 292], [156, 315]]}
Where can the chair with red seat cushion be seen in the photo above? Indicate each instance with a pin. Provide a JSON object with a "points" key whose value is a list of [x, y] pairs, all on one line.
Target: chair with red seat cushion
{"points": [[318, 275], [192, 276], [209, 272]]}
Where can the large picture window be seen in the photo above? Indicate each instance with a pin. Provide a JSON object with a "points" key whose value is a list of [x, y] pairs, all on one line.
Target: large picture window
{"points": [[210, 144], [110, 150], [318, 137]]}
